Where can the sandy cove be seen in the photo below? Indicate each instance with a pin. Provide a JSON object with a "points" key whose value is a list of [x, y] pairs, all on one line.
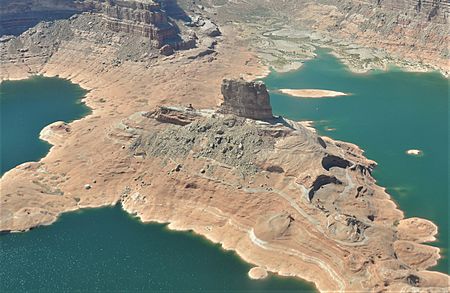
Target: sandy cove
{"points": [[246, 215]]}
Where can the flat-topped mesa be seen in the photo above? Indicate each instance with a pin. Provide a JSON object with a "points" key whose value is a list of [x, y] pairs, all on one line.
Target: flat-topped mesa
{"points": [[249, 99], [139, 17]]}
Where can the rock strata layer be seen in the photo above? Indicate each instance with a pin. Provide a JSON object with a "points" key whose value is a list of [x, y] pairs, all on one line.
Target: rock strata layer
{"points": [[143, 18]]}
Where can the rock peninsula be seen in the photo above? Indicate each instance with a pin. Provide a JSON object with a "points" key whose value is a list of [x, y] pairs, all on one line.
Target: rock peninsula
{"points": [[176, 136]]}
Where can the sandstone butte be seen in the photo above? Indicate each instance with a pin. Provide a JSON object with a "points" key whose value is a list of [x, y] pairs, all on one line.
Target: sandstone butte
{"points": [[285, 199]]}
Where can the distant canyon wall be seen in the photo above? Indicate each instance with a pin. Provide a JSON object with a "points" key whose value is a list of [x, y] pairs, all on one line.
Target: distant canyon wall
{"points": [[141, 18], [414, 29], [411, 30], [430, 10]]}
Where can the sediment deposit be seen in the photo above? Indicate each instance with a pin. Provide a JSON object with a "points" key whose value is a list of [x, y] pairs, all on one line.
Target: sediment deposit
{"points": [[312, 93], [284, 198]]}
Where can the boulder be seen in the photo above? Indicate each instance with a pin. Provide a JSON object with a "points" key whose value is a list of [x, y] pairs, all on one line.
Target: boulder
{"points": [[166, 50], [211, 29]]}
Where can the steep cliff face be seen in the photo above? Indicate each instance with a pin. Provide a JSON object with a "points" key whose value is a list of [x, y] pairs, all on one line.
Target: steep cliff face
{"points": [[143, 18], [140, 17], [430, 10], [411, 29], [385, 15], [246, 99]]}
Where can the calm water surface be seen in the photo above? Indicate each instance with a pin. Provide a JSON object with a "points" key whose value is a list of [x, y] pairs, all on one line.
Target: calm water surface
{"points": [[27, 106], [102, 249], [387, 114], [105, 249]]}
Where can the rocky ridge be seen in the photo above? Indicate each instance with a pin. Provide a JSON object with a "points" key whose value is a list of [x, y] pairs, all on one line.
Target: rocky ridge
{"points": [[293, 193], [137, 31], [141, 18]]}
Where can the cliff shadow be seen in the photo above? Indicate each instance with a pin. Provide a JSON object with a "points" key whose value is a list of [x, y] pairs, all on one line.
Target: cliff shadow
{"points": [[18, 22], [279, 120], [174, 10], [176, 17]]}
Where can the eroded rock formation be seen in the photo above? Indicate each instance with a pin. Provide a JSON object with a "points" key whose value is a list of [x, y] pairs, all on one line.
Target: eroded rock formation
{"points": [[246, 99], [139, 17], [142, 18], [123, 31]]}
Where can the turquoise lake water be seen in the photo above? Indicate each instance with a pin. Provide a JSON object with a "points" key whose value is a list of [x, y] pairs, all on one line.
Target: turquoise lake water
{"points": [[27, 106], [387, 114], [102, 249], [107, 250]]}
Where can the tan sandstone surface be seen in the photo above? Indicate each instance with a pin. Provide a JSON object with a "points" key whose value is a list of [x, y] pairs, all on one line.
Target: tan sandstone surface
{"points": [[285, 199], [257, 273]]}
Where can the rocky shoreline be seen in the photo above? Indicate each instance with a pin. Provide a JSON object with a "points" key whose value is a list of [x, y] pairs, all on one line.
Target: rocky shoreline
{"points": [[284, 198], [201, 179], [365, 35]]}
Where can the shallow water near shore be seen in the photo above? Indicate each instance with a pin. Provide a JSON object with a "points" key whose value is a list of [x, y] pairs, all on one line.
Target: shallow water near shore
{"points": [[387, 114], [103, 249]]}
